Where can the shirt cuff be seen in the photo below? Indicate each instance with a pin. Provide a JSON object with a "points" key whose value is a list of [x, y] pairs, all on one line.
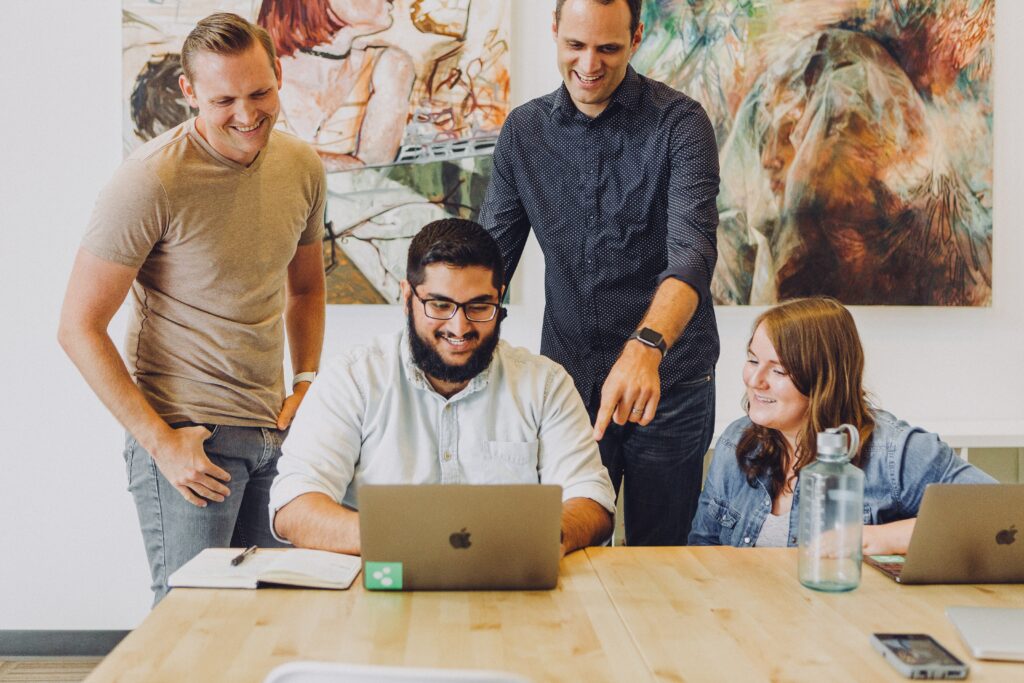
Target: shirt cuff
{"points": [[691, 276], [602, 495], [287, 489]]}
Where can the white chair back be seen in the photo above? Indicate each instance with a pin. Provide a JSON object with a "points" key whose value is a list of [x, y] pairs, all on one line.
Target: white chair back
{"points": [[333, 672]]}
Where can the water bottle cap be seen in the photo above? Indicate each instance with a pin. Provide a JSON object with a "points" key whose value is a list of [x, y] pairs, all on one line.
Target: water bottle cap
{"points": [[830, 443], [833, 446]]}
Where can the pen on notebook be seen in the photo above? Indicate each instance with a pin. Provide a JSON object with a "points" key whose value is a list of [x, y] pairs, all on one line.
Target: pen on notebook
{"points": [[240, 557]]}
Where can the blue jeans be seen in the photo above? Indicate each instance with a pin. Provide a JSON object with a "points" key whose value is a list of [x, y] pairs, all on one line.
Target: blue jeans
{"points": [[662, 463], [175, 530]]}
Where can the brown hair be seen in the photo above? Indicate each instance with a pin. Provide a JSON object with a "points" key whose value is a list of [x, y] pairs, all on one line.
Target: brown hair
{"points": [[224, 33], [634, 12], [817, 343], [299, 24]]}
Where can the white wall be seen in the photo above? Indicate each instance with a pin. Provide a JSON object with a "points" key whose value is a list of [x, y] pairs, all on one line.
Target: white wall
{"points": [[71, 554]]}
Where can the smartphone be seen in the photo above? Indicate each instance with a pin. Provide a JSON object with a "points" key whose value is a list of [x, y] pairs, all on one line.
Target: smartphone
{"points": [[918, 655]]}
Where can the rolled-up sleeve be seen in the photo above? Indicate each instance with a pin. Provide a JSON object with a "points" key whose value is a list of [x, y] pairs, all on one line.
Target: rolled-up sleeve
{"points": [[568, 454], [692, 201], [322, 448]]}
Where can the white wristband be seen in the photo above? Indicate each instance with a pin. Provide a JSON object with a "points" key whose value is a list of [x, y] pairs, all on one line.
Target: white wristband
{"points": [[303, 377]]}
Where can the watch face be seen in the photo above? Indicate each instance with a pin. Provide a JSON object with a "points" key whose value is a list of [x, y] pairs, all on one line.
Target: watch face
{"points": [[649, 336]]}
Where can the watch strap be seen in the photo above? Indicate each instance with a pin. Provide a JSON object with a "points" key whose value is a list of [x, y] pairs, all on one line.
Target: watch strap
{"points": [[660, 344]]}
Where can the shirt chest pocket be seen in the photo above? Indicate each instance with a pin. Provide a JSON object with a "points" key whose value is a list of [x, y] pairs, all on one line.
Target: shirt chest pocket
{"points": [[727, 520], [505, 462]]}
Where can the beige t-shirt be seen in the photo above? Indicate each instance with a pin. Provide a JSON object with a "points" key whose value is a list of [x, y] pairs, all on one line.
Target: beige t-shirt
{"points": [[212, 240]]}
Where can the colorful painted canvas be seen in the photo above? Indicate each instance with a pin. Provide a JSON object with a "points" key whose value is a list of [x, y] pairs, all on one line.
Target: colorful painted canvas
{"points": [[402, 99], [855, 141]]}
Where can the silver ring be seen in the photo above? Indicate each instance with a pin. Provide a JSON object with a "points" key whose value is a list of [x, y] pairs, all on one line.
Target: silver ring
{"points": [[637, 411]]}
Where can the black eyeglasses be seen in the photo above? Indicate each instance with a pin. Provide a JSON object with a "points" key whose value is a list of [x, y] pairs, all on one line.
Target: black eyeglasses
{"points": [[443, 309]]}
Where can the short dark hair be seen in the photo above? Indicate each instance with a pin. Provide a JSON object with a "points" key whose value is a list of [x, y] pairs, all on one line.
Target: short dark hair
{"points": [[224, 33], [634, 11], [454, 242]]}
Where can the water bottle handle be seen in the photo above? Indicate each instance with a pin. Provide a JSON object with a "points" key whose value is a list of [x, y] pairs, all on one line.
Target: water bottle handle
{"points": [[853, 437]]}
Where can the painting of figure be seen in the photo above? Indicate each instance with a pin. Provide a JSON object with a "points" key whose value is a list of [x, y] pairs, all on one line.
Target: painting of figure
{"points": [[402, 99], [855, 141]]}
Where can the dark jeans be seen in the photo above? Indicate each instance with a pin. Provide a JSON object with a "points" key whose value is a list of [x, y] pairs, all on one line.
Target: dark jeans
{"points": [[662, 463], [175, 530]]}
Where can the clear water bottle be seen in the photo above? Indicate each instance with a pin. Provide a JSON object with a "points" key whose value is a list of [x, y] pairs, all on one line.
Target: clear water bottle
{"points": [[832, 514]]}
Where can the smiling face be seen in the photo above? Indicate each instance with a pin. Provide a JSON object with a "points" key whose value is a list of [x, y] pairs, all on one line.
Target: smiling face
{"points": [[236, 95], [774, 401], [451, 352], [594, 47]]}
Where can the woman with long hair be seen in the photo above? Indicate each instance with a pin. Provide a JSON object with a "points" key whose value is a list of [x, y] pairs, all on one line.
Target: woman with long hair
{"points": [[804, 374]]}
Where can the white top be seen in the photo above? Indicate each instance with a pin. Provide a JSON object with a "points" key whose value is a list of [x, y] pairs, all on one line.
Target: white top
{"points": [[774, 532], [371, 417]]}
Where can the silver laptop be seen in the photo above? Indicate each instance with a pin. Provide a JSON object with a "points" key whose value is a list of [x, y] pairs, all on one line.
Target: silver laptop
{"points": [[991, 632], [965, 533], [460, 537]]}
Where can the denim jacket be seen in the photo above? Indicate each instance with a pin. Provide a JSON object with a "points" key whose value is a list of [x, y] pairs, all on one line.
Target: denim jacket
{"points": [[901, 461]]}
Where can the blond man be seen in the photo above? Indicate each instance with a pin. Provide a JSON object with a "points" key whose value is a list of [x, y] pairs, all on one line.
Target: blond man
{"points": [[215, 228]]}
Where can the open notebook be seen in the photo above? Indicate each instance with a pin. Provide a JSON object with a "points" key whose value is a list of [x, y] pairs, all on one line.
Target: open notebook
{"points": [[290, 567]]}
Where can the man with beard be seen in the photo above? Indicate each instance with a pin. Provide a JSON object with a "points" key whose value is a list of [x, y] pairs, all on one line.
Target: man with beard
{"points": [[443, 401]]}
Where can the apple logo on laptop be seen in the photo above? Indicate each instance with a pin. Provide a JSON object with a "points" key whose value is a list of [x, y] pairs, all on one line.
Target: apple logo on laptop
{"points": [[460, 539], [1007, 536]]}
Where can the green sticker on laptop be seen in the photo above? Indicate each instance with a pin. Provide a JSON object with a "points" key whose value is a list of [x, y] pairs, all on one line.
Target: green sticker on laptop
{"points": [[382, 576], [888, 559]]}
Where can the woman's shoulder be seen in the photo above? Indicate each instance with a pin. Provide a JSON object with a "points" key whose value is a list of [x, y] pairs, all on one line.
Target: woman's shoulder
{"points": [[731, 435], [896, 438], [724, 460]]}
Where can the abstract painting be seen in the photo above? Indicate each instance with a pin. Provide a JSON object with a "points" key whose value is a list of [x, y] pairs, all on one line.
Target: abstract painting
{"points": [[855, 140], [402, 99]]}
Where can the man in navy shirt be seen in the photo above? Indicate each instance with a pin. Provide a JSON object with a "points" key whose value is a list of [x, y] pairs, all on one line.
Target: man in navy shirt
{"points": [[617, 174]]}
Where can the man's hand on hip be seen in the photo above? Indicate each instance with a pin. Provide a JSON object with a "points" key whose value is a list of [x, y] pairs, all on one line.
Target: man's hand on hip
{"points": [[632, 389], [183, 462], [291, 405]]}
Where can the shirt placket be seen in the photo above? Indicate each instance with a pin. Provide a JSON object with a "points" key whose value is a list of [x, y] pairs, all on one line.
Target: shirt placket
{"points": [[447, 444], [589, 184]]}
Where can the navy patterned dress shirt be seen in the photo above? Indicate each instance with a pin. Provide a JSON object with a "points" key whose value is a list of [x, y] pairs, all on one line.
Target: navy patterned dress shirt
{"points": [[618, 203]]}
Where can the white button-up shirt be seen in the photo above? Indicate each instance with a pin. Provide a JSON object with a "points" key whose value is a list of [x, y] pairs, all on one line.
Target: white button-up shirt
{"points": [[371, 417]]}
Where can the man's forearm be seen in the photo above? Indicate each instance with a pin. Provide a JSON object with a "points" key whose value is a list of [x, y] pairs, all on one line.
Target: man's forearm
{"points": [[671, 308], [304, 322], [96, 357], [314, 520], [584, 523]]}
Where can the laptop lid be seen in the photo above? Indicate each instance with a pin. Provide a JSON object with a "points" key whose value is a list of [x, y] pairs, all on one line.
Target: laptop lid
{"points": [[460, 537], [967, 533], [990, 632]]}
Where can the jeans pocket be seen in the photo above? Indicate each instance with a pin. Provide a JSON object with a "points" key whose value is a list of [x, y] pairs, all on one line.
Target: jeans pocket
{"points": [[129, 455]]}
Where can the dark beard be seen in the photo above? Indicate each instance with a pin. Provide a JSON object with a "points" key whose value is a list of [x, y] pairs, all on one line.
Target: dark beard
{"points": [[429, 361]]}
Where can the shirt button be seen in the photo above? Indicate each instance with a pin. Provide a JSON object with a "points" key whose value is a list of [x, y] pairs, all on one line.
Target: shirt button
{"points": [[447, 456], [747, 539]]}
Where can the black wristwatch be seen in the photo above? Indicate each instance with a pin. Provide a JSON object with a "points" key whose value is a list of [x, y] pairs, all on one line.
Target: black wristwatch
{"points": [[649, 337]]}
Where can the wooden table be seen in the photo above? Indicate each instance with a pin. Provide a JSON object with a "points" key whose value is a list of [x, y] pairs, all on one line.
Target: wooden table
{"points": [[571, 633], [618, 614], [739, 614]]}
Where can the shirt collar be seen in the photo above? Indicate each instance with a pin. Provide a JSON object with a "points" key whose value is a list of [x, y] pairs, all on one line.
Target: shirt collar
{"points": [[627, 95], [415, 376]]}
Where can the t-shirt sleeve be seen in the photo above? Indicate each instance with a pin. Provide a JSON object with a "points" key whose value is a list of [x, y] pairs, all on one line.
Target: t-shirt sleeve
{"points": [[314, 231], [129, 218]]}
